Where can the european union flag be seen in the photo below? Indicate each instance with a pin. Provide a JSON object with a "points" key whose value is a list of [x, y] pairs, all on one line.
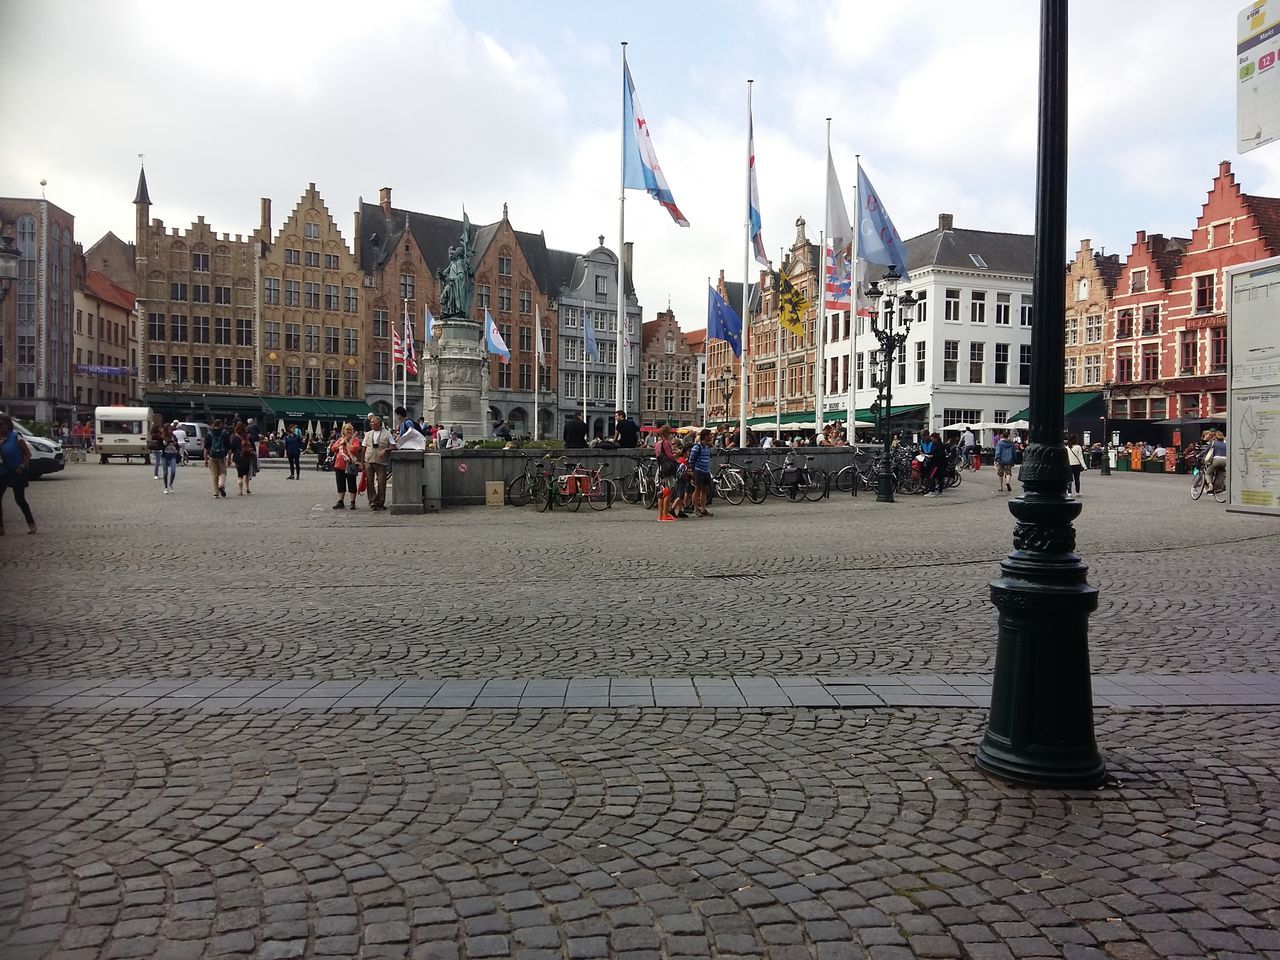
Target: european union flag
{"points": [[722, 322]]}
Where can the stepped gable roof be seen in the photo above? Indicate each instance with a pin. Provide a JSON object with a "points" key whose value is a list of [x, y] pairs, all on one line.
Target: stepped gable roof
{"points": [[1007, 253], [1109, 268], [99, 285], [1167, 253], [1266, 210]]}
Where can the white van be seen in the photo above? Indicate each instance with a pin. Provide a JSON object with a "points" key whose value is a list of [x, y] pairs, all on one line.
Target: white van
{"points": [[122, 431], [195, 437]]}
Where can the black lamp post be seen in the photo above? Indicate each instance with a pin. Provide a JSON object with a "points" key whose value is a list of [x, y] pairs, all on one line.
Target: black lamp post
{"points": [[1104, 470], [891, 326], [1040, 728], [8, 265], [727, 381]]}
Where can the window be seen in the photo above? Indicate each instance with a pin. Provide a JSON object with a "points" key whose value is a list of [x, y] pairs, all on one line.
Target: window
{"points": [[952, 306], [331, 383], [686, 372], [381, 326], [311, 295], [1204, 293], [271, 378], [1073, 331], [350, 300], [999, 416], [669, 346], [504, 376], [222, 371], [199, 263], [292, 293], [200, 293], [293, 336], [350, 341], [271, 290], [200, 370], [1124, 366], [1002, 363], [1189, 404], [222, 330], [351, 384], [1119, 409], [331, 296], [271, 334], [1188, 351], [311, 230], [244, 332], [1151, 319], [902, 366], [178, 291], [920, 361], [504, 299], [482, 296], [526, 302], [311, 382], [244, 373], [952, 416], [381, 365], [977, 353], [602, 286], [1093, 328], [570, 318], [292, 257], [1138, 408], [1093, 368], [526, 376], [311, 258], [1218, 350], [311, 338], [544, 378], [504, 266], [668, 400], [1073, 371], [177, 328], [1025, 317], [1138, 281], [1024, 364], [860, 370], [406, 286], [199, 329], [331, 261], [1219, 402], [155, 326], [292, 381], [222, 295], [978, 306], [155, 368], [571, 385], [950, 361], [526, 339], [1124, 324], [1003, 309], [1082, 289], [1159, 407]]}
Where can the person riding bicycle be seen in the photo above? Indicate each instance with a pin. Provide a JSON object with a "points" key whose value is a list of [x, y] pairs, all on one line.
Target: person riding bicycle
{"points": [[1215, 458]]}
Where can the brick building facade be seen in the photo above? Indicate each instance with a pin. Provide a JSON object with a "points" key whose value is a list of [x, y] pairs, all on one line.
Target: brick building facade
{"points": [[1091, 283], [106, 340], [668, 374]]}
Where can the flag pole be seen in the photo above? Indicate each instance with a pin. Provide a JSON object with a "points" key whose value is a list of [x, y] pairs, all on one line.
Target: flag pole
{"points": [[819, 355], [537, 365], [404, 368], [746, 290], [777, 366], [620, 389], [706, 365], [586, 318], [853, 300]]}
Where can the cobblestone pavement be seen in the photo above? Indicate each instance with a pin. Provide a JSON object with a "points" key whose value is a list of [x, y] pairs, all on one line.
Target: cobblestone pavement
{"points": [[243, 828]]}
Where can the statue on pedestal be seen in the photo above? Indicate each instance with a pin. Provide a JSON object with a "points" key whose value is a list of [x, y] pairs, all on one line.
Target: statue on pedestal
{"points": [[457, 280]]}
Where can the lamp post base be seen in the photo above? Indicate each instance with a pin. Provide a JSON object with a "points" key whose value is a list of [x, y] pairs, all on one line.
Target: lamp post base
{"points": [[884, 481]]}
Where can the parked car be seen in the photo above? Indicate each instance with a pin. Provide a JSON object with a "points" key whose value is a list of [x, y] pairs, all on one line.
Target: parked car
{"points": [[46, 455], [195, 438]]}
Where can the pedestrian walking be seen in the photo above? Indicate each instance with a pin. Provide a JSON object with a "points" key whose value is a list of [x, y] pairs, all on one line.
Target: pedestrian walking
{"points": [[170, 453], [346, 464], [15, 464], [1005, 455], [155, 444], [243, 454], [667, 465], [293, 453], [217, 448], [378, 444], [700, 460], [1075, 460], [255, 437]]}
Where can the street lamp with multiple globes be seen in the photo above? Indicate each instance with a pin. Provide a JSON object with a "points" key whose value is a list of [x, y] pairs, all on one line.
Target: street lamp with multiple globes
{"points": [[727, 381], [8, 265], [1104, 468], [891, 325]]}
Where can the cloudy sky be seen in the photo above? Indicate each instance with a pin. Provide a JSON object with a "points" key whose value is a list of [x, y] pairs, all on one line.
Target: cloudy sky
{"points": [[488, 101]]}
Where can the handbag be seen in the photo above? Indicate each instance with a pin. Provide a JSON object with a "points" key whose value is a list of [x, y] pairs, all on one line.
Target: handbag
{"points": [[364, 482]]}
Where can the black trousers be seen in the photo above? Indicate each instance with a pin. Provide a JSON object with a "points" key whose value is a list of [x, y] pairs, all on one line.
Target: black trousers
{"points": [[19, 489], [295, 464]]}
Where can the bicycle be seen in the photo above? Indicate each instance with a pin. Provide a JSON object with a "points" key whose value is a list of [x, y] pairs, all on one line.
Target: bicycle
{"points": [[600, 492], [521, 488], [730, 483], [1200, 483], [755, 482], [805, 481], [641, 484]]}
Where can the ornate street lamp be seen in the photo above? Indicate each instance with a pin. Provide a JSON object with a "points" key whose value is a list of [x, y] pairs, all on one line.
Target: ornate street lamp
{"points": [[8, 265], [727, 382], [1104, 470], [1040, 728], [891, 327]]}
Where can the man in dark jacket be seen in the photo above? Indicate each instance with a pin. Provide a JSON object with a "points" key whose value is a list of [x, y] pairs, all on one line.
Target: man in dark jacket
{"points": [[575, 433], [626, 433]]}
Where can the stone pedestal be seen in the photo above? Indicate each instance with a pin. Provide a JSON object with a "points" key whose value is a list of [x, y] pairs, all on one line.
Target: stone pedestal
{"points": [[455, 388]]}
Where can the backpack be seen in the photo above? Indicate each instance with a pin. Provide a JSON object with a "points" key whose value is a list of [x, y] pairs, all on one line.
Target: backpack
{"points": [[217, 444]]}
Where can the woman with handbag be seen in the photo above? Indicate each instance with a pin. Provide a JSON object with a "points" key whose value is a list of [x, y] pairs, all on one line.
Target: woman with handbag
{"points": [[346, 464], [15, 459]]}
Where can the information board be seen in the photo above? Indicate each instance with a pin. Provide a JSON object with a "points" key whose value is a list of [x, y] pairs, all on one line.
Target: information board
{"points": [[1257, 75], [1253, 386]]}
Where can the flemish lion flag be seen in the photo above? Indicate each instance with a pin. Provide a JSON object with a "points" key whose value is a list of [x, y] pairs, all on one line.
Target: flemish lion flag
{"points": [[791, 305]]}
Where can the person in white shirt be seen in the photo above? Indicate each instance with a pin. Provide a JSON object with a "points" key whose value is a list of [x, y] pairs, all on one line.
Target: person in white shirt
{"points": [[766, 444], [967, 444], [181, 436], [377, 445]]}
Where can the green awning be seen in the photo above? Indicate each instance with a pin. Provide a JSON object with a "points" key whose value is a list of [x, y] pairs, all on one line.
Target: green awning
{"points": [[1071, 402], [346, 408], [296, 408], [204, 405], [866, 415]]}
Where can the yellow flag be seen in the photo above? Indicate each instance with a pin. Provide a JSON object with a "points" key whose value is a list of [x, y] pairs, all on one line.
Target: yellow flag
{"points": [[791, 306]]}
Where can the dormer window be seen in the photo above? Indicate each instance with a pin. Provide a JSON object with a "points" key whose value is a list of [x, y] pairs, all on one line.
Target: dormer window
{"points": [[1082, 289], [1138, 281]]}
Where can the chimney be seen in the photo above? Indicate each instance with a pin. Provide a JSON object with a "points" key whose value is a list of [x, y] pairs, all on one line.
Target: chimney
{"points": [[946, 221], [384, 200], [1142, 236], [266, 218]]}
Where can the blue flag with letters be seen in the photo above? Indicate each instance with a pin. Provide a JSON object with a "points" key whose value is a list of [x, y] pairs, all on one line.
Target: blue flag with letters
{"points": [[878, 240], [723, 323]]}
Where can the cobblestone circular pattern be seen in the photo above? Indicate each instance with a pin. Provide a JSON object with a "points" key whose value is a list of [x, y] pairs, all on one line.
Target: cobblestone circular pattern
{"points": [[620, 833]]}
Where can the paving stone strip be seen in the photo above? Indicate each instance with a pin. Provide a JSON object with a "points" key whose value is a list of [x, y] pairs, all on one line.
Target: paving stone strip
{"points": [[872, 691]]}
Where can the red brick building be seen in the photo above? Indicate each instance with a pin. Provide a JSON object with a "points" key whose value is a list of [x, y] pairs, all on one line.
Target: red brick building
{"points": [[668, 374]]}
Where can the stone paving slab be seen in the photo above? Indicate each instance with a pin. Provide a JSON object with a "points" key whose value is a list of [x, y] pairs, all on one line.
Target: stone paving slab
{"points": [[589, 693]]}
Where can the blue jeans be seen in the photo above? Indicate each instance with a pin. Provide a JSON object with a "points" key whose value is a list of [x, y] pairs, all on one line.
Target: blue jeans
{"points": [[170, 469]]}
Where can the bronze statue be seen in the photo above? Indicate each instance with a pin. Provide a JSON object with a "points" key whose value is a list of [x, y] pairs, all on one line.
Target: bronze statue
{"points": [[457, 284]]}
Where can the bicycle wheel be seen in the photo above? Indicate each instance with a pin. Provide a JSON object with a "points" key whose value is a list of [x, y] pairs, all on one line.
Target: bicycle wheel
{"points": [[757, 488], [629, 488], [910, 484], [649, 491], [518, 491], [845, 478], [572, 500], [816, 488], [1197, 485], [599, 496], [954, 479], [731, 487], [540, 493], [1220, 492]]}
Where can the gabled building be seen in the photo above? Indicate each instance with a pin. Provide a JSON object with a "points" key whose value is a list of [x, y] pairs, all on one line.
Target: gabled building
{"points": [[669, 374], [1091, 283], [697, 342], [721, 379], [105, 371]]}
